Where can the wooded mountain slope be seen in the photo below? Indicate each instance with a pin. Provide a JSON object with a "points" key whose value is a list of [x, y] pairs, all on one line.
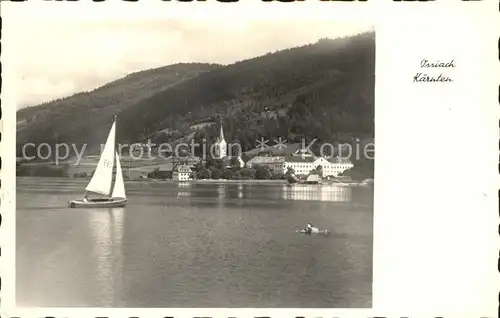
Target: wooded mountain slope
{"points": [[85, 117], [323, 90], [319, 91]]}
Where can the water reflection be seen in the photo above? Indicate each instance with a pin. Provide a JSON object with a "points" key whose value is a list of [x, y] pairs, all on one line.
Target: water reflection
{"points": [[211, 257], [232, 192], [240, 191], [118, 228], [107, 227], [317, 193], [221, 195], [184, 189], [184, 185]]}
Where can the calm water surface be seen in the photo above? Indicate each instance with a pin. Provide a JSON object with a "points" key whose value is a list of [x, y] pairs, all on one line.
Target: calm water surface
{"points": [[194, 245]]}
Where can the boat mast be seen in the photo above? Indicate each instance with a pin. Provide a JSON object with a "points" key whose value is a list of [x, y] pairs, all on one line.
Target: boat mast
{"points": [[112, 185]]}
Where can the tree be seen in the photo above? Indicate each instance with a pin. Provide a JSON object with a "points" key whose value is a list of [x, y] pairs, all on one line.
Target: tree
{"points": [[199, 166], [277, 176], [245, 158], [227, 174], [234, 163], [262, 173], [247, 173], [363, 169], [237, 175], [319, 170], [213, 163], [203, 173], [216, 174], [153, 174]]}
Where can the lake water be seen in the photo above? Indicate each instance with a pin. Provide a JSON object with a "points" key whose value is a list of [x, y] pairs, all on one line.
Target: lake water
{"points": [[194, 245]]}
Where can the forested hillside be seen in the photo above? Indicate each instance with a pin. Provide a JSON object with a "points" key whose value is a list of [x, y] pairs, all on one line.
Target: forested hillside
{"points": [[323, 90], [85, 117], [319, 91]]}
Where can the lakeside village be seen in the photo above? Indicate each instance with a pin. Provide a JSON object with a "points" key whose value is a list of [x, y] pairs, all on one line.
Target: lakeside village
{"points": [[299, 166]]}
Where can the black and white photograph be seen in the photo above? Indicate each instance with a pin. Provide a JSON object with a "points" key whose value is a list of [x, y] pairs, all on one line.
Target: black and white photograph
{"points": [[180, 163]]}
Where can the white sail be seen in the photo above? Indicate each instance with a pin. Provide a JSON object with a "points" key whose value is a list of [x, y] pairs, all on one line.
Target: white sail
{"points": [[103, 176], [119, 189]]}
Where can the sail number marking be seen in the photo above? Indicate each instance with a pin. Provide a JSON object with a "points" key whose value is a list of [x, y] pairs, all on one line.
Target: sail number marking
{"points": [[107, 163]]}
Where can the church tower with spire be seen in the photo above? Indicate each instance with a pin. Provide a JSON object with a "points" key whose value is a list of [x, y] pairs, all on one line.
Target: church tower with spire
{"points": [[221, 145]]}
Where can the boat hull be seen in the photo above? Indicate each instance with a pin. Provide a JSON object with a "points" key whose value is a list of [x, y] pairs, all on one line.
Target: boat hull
{"points": [[98, 203], [314, 232]]}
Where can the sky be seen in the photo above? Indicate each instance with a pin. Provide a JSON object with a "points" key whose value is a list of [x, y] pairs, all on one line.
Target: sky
{"points": [[60, 53]]}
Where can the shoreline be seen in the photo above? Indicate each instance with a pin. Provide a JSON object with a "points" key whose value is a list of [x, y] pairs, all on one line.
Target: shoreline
{"points": [[163, 180], [208, 181], [278, 181]]}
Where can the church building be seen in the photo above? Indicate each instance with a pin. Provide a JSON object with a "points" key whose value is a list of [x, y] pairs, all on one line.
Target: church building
{"points": [[220, 145]]}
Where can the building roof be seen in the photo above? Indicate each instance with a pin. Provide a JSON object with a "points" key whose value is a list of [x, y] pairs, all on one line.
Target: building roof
{"points": [[220, 138], [160, 167], [183, 168]]}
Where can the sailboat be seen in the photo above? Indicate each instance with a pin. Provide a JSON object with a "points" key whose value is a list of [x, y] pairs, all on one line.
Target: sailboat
{"points": [[102, 180]]}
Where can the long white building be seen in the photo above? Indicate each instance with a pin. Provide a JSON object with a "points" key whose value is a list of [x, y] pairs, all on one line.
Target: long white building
{"points": [[302, 163], [274, 163]]}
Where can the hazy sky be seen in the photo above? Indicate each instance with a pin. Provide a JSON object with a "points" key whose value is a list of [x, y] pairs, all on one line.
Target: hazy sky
{"points": [[61, 54]]}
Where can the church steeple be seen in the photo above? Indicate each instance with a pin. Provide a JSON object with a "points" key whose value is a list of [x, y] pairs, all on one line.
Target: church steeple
{"points": [[221, 135], [221, 145]]}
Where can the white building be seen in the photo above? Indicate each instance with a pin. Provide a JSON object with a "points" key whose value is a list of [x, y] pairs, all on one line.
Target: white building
{"points": [[227, 161], [275, 164], [336, 166], [303, 163], [220, 145], [182, 173]]}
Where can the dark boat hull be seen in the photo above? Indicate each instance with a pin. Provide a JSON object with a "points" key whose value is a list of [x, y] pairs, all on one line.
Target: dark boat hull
{"points": [[98, 203], [320, 232]]}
